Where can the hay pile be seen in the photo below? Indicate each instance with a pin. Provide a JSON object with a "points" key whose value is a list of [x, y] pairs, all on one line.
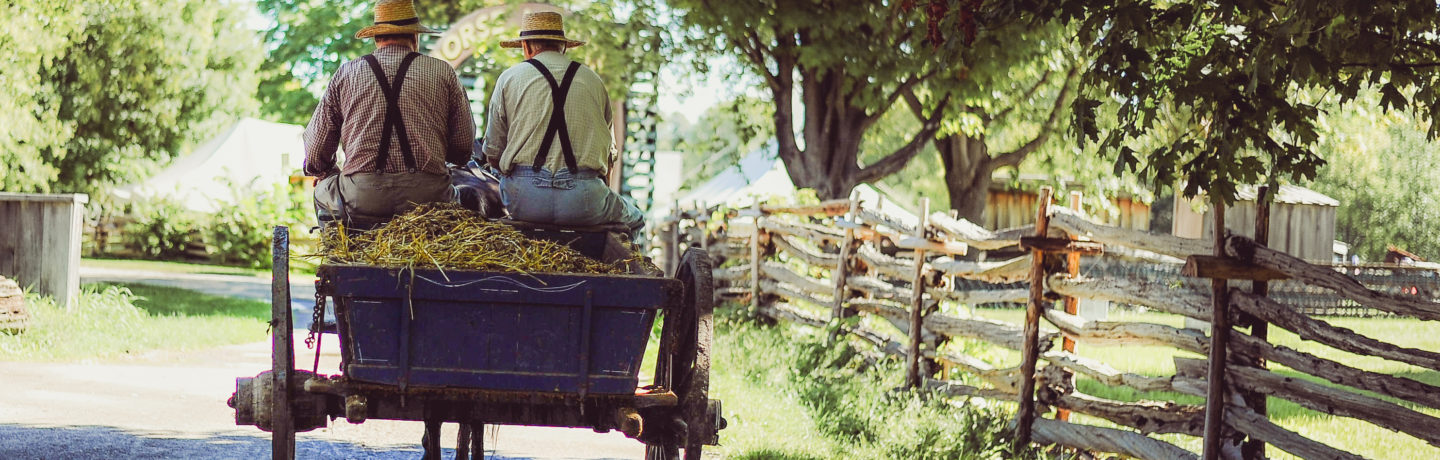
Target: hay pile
{"points": [[446, 236]]}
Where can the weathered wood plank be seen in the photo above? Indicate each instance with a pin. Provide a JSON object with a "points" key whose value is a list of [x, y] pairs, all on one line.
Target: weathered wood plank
{"points": [[1218, 267], [1246, 249], [827, 208], [1109, 333], [1009, 271], [790, 293], [1181, 301], [1320, 331], [876, 217], [1335, 401], [736, 273], [995, 332], [815, 233], [883, 264], [921, 244], [966, 232], [1095, 438], [1105, 374], [810, 256], [1388, 385], [1146, 416], [779, 272], [1061, 245], [1074, 223], [1256, 426]]}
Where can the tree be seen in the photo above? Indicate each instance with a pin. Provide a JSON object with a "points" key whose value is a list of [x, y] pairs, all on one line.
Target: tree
{"points": [[126, 84], [1024, 70], [848, 61], [1239, 70], [1382, 170]]}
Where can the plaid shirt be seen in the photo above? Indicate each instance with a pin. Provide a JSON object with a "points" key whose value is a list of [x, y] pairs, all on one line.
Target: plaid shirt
{"points": [[352, 114], [520, 111]]}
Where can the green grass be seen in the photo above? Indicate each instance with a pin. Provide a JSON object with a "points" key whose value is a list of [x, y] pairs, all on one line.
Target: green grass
{"points": [[298, 267], [117, 322], [1359, 437], [790, 394]]}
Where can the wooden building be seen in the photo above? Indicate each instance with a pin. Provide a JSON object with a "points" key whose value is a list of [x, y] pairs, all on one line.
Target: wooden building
{"points": [[1302, 221], [1009, 207]]}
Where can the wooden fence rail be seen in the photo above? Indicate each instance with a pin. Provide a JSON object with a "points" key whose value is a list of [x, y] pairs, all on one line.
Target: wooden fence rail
{"points": [[818, 264]]}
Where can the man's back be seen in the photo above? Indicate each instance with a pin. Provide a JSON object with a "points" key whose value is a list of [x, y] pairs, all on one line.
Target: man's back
{"points": [[433, 108], [521, 107]]}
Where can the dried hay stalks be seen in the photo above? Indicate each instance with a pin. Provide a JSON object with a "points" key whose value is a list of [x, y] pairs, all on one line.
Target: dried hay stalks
{"points": [[447, 236]]}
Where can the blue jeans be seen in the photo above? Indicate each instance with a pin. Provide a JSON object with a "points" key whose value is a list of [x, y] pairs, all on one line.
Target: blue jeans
{"points": [[562, 198]]}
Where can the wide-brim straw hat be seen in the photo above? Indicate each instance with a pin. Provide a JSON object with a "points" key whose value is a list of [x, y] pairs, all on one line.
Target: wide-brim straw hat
{"points": [[395, 17], [541, 25]]}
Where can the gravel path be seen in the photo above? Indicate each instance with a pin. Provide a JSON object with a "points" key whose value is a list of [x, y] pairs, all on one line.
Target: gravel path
{"points": [[172, 405]]}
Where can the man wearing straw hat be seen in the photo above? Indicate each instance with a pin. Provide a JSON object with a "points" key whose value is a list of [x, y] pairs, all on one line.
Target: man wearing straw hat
{"points": [[401, 116], [548, 133]]}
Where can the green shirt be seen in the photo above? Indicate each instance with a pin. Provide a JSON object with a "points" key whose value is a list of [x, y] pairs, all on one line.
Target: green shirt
{"points": [[520, 110]]}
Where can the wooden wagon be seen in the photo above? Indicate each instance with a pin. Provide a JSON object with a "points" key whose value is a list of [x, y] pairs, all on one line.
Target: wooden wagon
{"points": [[476, 347]]}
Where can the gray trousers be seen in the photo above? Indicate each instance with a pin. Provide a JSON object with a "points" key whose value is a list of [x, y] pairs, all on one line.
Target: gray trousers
{"points": [[378, 197], [562, 198]]}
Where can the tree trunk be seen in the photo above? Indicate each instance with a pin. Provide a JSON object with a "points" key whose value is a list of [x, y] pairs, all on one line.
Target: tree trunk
{"points": [[968, 167]]}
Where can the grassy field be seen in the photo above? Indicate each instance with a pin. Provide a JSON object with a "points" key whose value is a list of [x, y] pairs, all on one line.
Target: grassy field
{"points": [[125, 321], [1356, 436], [298, 267]]}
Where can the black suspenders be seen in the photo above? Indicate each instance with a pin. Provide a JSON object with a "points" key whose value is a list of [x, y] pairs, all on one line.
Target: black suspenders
{"points": [[393, 121], [557, 118]]}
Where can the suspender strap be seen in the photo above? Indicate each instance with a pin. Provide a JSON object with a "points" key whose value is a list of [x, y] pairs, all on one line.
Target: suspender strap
{"points": [[557, 126], [394, 122]]}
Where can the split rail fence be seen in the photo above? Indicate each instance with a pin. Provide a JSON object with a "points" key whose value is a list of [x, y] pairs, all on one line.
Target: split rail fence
{"points": [[819, 264]]}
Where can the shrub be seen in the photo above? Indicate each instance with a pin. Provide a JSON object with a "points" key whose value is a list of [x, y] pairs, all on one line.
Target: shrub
{"points": [[239, 233], [162, 228]]}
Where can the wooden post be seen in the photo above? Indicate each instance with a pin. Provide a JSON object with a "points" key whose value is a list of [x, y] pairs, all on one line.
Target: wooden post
{"points": [[1254, 448], [1072, 268], [1030, 349], [40, 242], [674, 243], [1219, 335], [842, 269], [917, 300], [755, 263]]}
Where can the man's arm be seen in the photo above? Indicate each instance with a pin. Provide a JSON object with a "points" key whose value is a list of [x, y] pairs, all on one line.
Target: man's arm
{"points": [[322, 134], [462, 125], [497, 125]]}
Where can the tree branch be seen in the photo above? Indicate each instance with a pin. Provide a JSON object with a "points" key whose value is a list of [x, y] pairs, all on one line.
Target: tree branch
{"points": [[1028, 93], [914, 103], [895, 95], [896, 161], [1014, 157]]}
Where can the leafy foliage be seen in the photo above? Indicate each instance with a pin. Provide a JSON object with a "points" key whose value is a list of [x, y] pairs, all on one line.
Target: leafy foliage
{"points": [[1238, 73], [239, 233], [723, 135], [846, 84], [100, 90], [309, 41], [162, 228], [1382, 169]]}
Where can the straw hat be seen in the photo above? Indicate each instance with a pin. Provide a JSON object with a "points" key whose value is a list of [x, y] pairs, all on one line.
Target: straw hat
{"points": [[395, 17], [542, 25]]}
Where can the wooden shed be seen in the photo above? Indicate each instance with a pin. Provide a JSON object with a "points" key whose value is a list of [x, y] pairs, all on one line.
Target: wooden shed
{"points": [[40, 242], [1009, 206], [1302, 221]]}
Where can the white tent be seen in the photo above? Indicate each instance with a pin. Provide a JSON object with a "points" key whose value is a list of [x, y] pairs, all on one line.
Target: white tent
{"points": [[762, 175], [251, 154]]}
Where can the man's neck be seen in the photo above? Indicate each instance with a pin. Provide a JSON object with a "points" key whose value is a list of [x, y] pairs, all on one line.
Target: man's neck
{"points": [[403, 46]]}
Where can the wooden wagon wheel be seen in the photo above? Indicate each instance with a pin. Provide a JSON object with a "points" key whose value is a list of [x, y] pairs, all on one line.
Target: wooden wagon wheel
{"points": [[282, 348], [684, 364]]}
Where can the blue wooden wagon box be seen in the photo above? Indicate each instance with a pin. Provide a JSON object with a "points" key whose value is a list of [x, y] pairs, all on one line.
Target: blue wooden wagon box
{"points": [[542, 332]]}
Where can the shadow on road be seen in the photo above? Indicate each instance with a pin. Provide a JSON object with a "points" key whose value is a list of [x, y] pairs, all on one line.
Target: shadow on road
{"points": [[21, 442]]}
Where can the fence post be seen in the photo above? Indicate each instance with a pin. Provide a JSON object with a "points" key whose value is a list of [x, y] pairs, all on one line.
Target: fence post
{"points": [[917, 299], [1072, 268], [674, 243], [1254, 448], [755, 262], [1219, 336], [842, 269], [1030, 349]]}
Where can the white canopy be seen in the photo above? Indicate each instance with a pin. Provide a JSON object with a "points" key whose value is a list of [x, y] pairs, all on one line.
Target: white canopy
{"points": [[251, 154]]}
